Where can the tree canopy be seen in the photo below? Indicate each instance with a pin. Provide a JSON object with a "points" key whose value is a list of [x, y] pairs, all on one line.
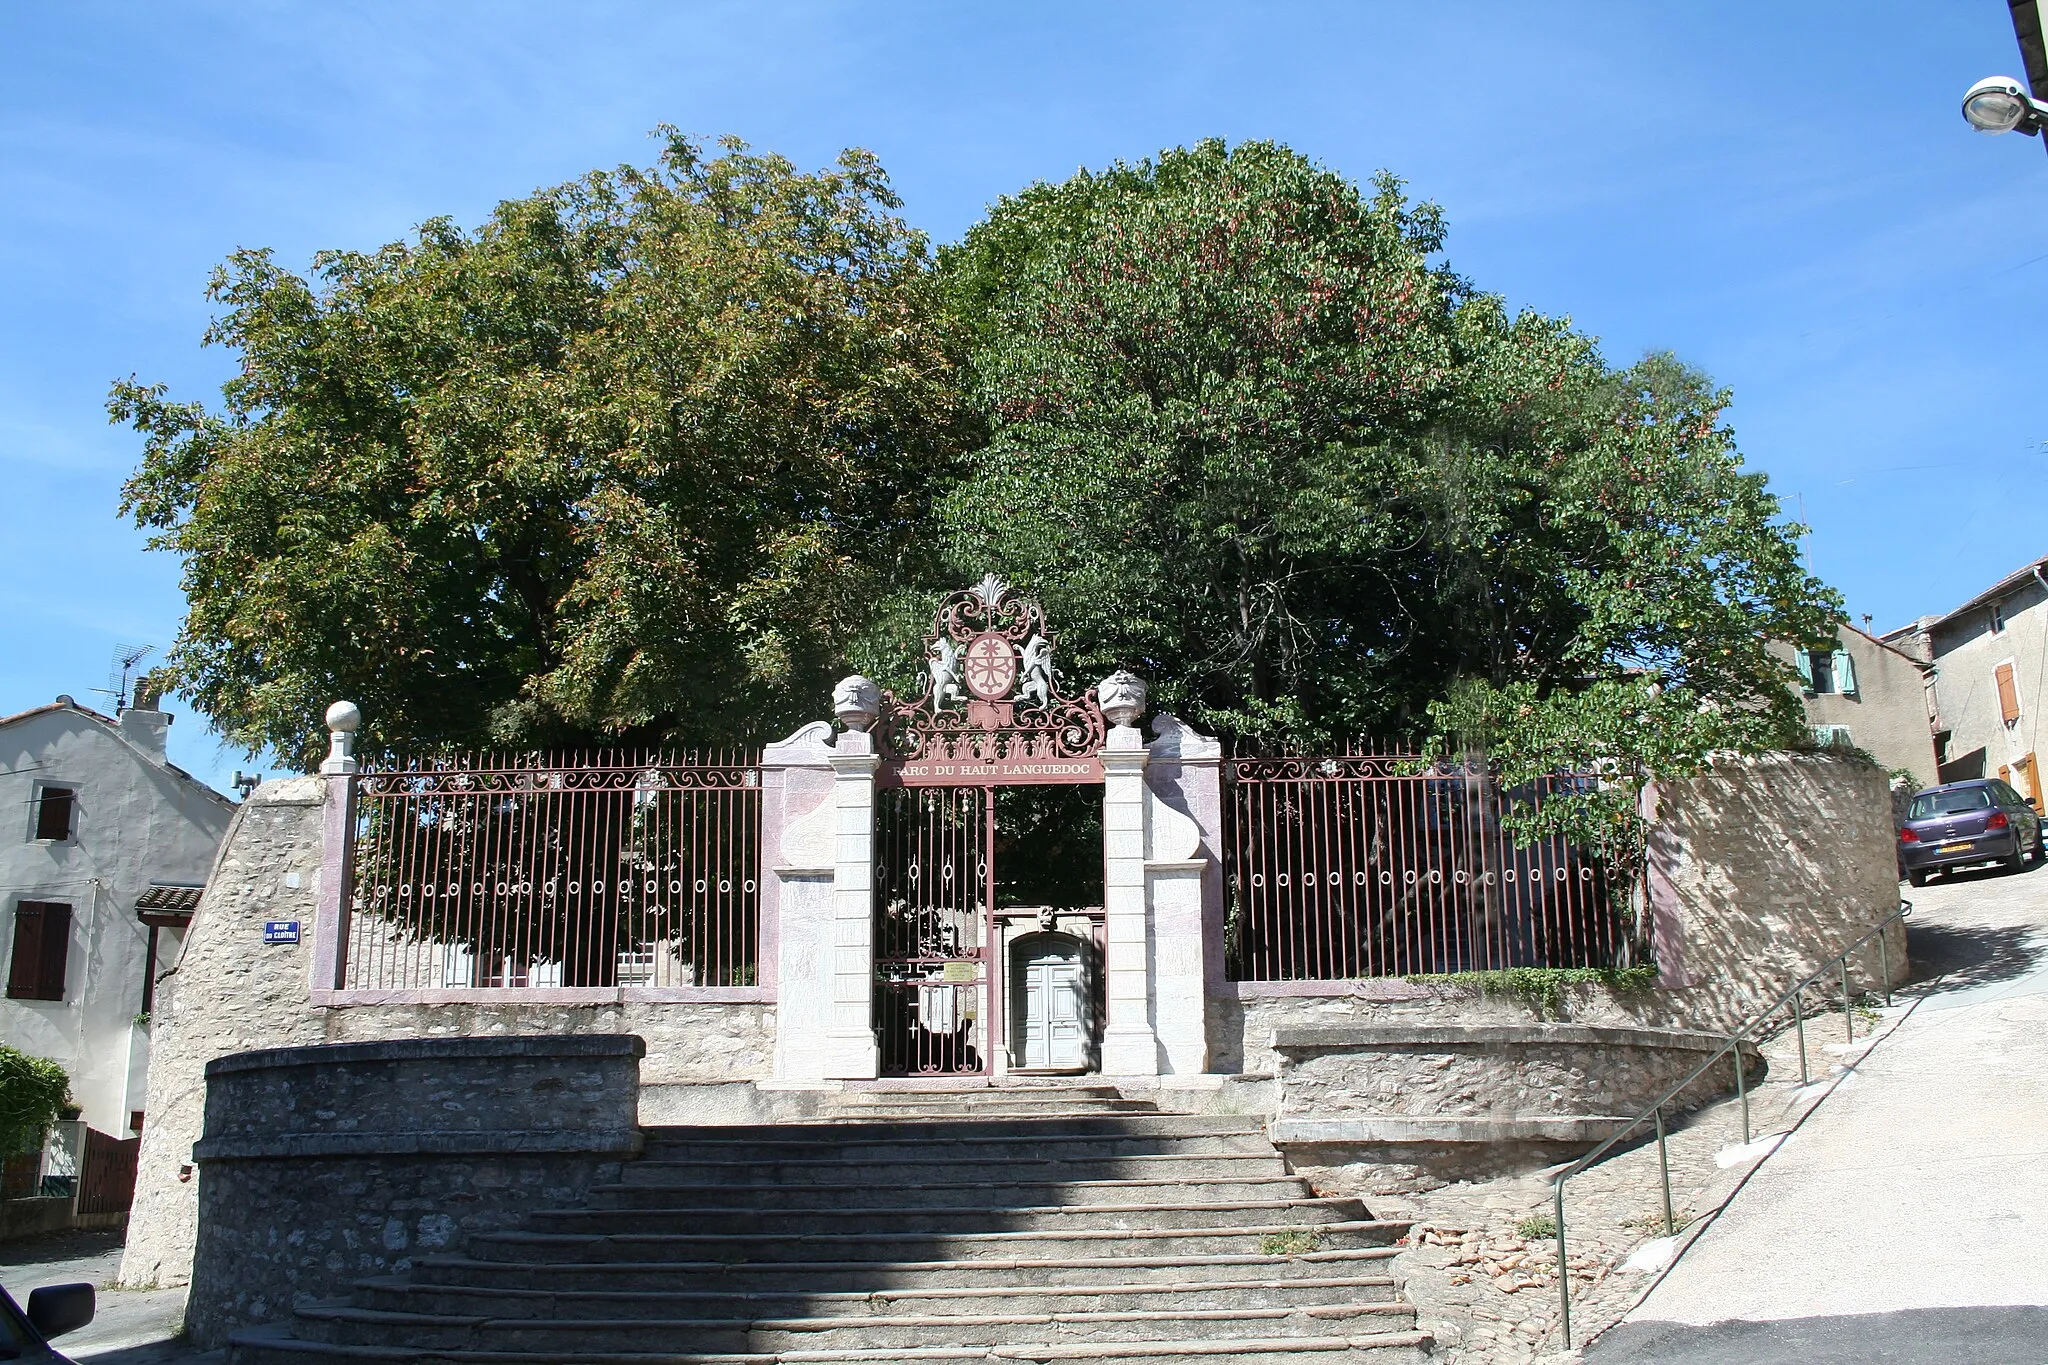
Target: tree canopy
{"points": [[622, 463], [1245, 438], [654, 454]]}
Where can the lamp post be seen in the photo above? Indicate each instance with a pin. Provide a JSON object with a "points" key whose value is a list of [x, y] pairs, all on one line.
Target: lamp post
{"points": [[2000, 104]]}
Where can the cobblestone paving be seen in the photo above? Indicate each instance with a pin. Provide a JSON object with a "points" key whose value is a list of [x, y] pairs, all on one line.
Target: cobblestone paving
{"points": [[1482, 1263]]}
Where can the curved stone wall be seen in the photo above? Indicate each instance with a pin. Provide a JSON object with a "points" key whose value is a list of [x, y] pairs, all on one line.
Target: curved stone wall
{"points": [[1432, 1094], [321, 1165]]}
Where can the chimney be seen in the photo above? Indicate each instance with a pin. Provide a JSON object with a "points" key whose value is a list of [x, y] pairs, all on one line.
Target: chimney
{"points": [[148, 729]]}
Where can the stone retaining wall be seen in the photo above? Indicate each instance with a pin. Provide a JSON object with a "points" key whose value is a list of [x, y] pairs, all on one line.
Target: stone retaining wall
{"points": [[321, 1165], [1491, 1071], [1450, 1101]]}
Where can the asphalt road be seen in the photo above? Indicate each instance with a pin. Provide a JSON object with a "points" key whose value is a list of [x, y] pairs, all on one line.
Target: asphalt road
{"points": [[129, 1327], [1905, 1221]]}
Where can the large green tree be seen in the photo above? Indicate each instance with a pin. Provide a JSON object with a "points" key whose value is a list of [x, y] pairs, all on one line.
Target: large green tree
{"points": [[624, 462], [1249, 438]]}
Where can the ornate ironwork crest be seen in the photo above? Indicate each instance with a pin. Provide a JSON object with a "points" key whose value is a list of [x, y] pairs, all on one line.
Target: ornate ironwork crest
{"points": [[991, 710]]}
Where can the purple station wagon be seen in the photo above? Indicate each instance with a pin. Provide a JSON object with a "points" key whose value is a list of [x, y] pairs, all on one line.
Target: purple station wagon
{"points": [[1980, 821]]}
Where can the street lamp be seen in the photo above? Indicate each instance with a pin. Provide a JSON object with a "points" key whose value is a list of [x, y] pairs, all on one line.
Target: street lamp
{"points": [[2000, 104]]}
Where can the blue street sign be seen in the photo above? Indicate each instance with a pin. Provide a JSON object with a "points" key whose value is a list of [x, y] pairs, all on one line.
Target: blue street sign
{"points": [[280, 931]]}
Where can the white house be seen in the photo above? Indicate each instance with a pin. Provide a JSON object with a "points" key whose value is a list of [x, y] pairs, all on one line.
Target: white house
{"points": [[103, 850]]}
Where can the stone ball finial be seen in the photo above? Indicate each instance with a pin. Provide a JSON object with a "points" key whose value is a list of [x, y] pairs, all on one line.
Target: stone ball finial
{"points": [[857, 702], [343, 719], [1122, 697]]}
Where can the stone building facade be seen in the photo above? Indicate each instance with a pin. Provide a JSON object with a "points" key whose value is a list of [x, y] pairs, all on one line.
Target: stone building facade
{"points": [[1871, 695]]}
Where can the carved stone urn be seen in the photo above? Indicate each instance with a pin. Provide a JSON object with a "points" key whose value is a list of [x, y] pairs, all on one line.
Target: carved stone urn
{"points": [[857, 702], [1122, 697]]}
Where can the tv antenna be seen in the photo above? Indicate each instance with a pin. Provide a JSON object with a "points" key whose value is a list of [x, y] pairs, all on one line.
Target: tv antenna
{"points": [[122, 673]]}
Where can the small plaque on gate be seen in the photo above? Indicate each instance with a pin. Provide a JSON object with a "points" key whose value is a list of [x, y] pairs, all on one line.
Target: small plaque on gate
{"points": [[280, 931], [962, 971]]}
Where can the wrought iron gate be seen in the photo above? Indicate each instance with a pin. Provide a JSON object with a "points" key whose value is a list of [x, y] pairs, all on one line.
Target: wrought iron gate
{"points": [[934, 931]]}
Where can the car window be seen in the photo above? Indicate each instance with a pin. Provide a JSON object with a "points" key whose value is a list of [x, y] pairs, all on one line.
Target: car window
{"points": [[1927, 805], [15, 1338]]}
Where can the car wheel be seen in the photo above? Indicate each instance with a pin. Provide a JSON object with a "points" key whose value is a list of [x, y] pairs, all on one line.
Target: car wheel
{"points": [[2016, 861], [1917, 876]]}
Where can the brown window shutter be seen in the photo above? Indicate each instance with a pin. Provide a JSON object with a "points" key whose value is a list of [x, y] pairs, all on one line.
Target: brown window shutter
{"points": [[42, 950], [25, 965], [53, 813], [2008, 694], [56, 949]]}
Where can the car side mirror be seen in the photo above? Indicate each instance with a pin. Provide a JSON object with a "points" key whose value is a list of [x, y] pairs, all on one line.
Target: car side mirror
{"points": [[56, 1309]]}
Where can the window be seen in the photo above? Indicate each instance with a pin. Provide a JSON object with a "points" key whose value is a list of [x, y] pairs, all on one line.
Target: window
{"points": [[1927, 805], [53, 813], [1832, 736], [1998, 618], [42, 950], [2008, 694], [1827, 671], [1820, 667]]}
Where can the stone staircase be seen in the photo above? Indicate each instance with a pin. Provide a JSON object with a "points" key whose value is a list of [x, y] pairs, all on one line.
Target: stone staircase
{"points": [[1015, 1223]]}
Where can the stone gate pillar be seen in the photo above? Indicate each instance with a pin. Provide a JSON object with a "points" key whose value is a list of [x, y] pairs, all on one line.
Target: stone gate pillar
{"points": [[1129, 1045], [798, 824], [1184, 888], [850, 1052]]}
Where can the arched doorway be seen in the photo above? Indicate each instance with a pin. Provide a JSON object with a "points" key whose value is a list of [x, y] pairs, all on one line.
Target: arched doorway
{"points": [[1051, 1024]]}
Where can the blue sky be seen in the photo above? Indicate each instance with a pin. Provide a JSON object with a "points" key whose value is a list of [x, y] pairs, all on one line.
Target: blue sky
{"points": [[1782, 194]]}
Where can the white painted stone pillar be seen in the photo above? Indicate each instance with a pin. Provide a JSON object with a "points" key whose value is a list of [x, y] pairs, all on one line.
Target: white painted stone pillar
{"points": [[1184, 886], [1129, 1046], [850, 1052], [337, 852], [798, 830]]}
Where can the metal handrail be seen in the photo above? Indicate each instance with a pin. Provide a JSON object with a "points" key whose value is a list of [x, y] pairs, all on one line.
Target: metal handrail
{"points": [[1655, 1112]]}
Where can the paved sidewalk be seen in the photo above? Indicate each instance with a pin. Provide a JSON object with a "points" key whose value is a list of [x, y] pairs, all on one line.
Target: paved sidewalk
{"points": [[1904, 1221]]}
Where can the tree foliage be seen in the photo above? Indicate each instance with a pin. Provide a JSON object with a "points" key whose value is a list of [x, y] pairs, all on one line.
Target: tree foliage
{"points": [[653, 454], [33, 1092], [624, 461], [1247, 439]]}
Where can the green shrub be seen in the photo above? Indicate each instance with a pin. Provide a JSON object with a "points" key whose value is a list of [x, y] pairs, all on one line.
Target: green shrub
{"points": [[32, 1093], [1543, 987]]}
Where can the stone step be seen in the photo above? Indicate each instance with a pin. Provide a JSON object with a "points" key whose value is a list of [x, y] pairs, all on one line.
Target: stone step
{"points": [[1100, 1326], [1024, 1086], [353, 1326], [912, 1128], [1359, 1348], [945, 1220], [882, 1276], [1271, 1237], [941, 1112], [860, 1142], [1113, 1296], [903, 1171], [646, 1194], [996, 1097]]}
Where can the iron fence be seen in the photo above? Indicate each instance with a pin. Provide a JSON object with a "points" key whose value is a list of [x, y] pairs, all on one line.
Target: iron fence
{"points": [[600, 869], [1391, 864]]}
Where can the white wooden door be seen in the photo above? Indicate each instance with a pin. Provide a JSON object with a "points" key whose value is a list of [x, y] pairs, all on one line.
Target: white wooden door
{"points": [[1052, 1020]]}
